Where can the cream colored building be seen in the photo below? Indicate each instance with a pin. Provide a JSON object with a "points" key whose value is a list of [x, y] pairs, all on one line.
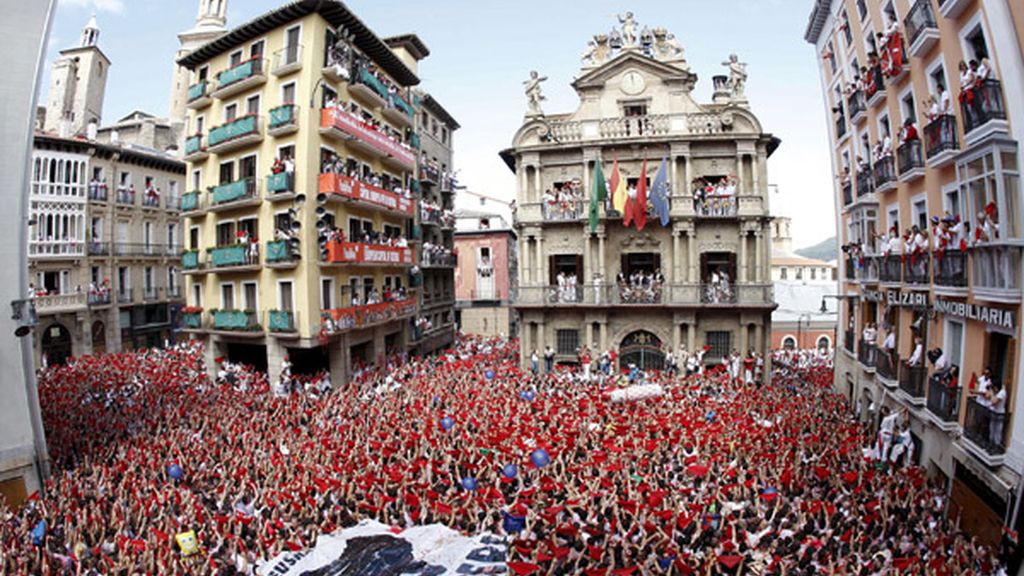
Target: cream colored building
{"points": [[637, 103], [104, 240], [249, 103], [964, 164]]}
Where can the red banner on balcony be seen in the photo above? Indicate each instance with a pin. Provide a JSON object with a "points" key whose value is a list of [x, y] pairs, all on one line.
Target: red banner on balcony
{"points": [[359, 253], [356, 190], [349, 124], [362, 316]]}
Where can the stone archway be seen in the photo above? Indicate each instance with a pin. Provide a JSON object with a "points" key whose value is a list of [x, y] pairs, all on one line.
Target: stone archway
{"points": [[642, 348], [56, 344]]}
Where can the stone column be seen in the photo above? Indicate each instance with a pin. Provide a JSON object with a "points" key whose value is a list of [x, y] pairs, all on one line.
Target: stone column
{"points": [[337, 357], [600, 250], [687, 172], [744, 344], [537, 182], [674, 278], [741, 273], [275, 357], [604, 334], [542, 338], [759, 253], [524, 258], [694, 260], [676, 330], [691, 336], [755, 167], [589, 331], [540, 279]]}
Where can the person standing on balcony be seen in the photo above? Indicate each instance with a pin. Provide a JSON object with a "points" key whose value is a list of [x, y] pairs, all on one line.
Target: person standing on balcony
{"points": [[997, 403], [917, 356], [909, 131], [549, 359], [889, 344]]}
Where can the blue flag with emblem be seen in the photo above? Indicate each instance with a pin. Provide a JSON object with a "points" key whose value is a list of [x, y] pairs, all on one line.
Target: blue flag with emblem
{"points": [[660, 194]]}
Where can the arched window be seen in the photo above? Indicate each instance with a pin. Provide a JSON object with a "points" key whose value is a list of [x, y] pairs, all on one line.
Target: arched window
{"points": [[788, 343], [824, 343]]}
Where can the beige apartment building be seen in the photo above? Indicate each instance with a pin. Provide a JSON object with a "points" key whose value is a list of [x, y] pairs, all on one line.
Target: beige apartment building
{"points": [[303, 225], [925, 105], [104, 235], [586, 279]]}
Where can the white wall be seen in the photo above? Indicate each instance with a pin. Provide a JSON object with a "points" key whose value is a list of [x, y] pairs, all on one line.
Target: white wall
{"points": [[24, 27]]}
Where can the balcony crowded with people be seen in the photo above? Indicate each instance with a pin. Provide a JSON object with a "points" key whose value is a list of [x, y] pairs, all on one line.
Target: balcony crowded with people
{"points": [[564, 202], [715, 196]]}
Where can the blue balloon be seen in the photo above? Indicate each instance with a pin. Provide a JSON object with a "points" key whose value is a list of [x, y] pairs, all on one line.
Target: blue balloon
{"points": [[510, 471], [527, 395], [710, 416], [175, 471], [469, 483], [540, 458], [447, 422], [489, 374]]}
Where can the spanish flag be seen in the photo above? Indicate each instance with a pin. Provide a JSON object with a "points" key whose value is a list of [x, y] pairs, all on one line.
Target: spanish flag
{"points": [[618, 189]]}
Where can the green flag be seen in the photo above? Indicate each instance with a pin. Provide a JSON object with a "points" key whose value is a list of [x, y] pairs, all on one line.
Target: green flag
{"points": [[597, 196]]}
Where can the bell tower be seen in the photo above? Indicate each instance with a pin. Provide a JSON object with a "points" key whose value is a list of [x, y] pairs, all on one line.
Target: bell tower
{"points": [[77, 85], [211, 22]]}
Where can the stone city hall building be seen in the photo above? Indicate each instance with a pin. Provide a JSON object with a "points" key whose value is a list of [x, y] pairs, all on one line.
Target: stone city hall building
{"points": [[588, 280]]}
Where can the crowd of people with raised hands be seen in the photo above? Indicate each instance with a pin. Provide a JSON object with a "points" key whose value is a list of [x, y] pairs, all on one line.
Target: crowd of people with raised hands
{"points": [[717, 475]]}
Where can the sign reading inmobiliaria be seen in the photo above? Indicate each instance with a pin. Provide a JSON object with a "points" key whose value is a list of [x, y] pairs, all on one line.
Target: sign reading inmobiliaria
{"points": [[349, 124], [993, 316], [374, 548], [351, 188]]}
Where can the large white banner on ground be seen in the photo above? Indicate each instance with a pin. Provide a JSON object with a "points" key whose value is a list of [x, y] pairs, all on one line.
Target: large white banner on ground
{"points": [[371, 548]]}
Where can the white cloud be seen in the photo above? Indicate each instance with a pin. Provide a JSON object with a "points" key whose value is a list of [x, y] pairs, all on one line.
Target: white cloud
{"points": [[115, 6]]}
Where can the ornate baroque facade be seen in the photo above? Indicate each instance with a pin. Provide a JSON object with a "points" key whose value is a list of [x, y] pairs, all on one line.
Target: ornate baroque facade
{"points": [[636, 105]]}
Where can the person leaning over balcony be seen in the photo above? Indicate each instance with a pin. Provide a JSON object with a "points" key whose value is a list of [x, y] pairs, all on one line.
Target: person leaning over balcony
{"points": [[886, 144], [968, 82], [889, 344], [908, 133]]}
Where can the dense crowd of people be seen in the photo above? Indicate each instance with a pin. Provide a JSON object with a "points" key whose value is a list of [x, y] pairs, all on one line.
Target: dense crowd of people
{"points": [[718, 474]]}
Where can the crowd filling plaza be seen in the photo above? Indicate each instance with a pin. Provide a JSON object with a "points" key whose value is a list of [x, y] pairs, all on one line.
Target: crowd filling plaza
{"points": [[159, 469]]}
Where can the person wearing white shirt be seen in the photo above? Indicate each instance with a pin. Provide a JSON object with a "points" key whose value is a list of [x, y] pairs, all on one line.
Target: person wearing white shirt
{"points": [[917, 356], [984, 385], [997, 403]]}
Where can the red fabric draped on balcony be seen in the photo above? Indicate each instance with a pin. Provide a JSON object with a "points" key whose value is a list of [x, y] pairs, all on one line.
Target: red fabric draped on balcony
{"points": [[331, 183]]}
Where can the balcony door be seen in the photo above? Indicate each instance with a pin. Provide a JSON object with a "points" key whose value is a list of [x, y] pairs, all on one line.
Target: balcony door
{"points": [[568, 265], [646, 263], [717, 261]]}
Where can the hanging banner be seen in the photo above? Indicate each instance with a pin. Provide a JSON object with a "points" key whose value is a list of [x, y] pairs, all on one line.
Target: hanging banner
{"points": [[373, 548]]}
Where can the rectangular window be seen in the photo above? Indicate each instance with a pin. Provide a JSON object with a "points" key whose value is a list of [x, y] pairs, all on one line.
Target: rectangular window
{"points": [[256, 50], [227, 172], [94, 275], [284, 295], [227, 296], [197, 294], [783, 273], [921, 214], [976, 44], [230, 112], [288, 93], [567, 341], [954, 344], [248, 225], [124, 280], [326, 293], [252, 105], [249, 296], [814, 273], [172, 234], [193, 238], [235, 59], [204, 73], [719, 343], [197, 179], [147, 278], [799, 273], [247, 167], [225, 233]]}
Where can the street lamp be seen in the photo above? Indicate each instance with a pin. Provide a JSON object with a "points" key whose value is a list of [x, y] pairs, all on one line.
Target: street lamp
{"points": [[799, 331]]}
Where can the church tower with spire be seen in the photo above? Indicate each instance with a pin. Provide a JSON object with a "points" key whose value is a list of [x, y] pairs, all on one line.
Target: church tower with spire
{"points": [[210, 25], [77, 85]]}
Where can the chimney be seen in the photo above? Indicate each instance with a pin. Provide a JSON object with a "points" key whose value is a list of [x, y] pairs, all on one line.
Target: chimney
{"points": [[115, 138], [91, 130]]}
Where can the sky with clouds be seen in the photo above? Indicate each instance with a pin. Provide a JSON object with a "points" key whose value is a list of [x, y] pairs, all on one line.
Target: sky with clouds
{"points": [[482, 51]]}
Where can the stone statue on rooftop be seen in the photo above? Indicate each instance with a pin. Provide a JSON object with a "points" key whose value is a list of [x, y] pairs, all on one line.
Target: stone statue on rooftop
{"points": [[534, 96], [666, 46], [628, 29], [737, 75], [597, 51]]}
